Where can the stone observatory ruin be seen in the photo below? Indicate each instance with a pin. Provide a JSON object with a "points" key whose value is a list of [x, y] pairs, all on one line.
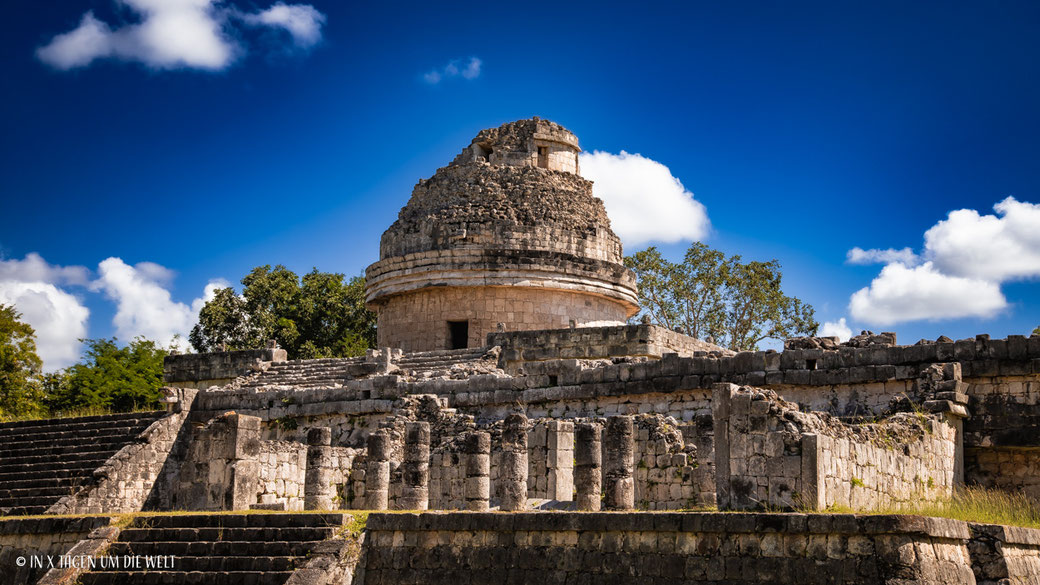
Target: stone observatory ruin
{"points": [[511, 391], [507, 233]]}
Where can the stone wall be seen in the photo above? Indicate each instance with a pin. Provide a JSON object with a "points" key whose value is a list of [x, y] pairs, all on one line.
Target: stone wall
{"points": [[283, 467], [770, 454], [1005, 555], [204, 370], [27, 537], [419, 320], [735, 549], [221, 470], [519, 347], [139, 474]]}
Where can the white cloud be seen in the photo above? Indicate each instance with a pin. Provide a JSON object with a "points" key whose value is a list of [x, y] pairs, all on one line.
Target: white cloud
{"points": [[902, 293], [644, 200], [471, 70], [174, 34], [837, 329], [144, 307], [966, 256], [58, 317], [993, 248], [302, 21], [875, 256]]}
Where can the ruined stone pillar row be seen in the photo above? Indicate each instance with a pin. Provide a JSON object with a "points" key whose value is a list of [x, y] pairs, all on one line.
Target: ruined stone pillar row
{"points": [[561, 460], [588, 470], [377, 472], [513, 473], [415, 470], [619, 445], [318, 491], [477, 468]]}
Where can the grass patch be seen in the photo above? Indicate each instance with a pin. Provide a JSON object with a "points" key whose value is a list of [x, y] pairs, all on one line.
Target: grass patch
{"points": [[970, 504]]}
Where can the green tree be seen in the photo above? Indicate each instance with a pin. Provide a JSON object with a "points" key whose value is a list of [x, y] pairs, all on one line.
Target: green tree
{"points": [[110, 377], [737, 303], [1036, 331], [320, 315], [21, 390]]}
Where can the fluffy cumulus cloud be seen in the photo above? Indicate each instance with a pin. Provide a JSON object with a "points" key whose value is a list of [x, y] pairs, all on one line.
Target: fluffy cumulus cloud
{"points": [[966, 258], [59, 317], [644, 200], [172, 34], [144, 305], [1000, 247], [902, 293], [470, 69], [839, 329]]}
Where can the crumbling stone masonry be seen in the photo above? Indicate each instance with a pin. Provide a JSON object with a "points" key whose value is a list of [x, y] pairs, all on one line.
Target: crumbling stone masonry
{"points": [[477, 466], [770, 454], [588, 466], [514, 463], [619, 462], [415, 472]]}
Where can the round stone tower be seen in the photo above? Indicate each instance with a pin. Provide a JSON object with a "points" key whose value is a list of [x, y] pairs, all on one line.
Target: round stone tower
{"points": [[507, 233]]}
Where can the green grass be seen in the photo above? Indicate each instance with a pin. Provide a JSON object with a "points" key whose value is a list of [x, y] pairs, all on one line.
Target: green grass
{"points": [[970, 504]]}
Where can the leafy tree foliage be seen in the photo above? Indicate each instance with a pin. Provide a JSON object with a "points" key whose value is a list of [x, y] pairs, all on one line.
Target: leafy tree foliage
{"points": [[737, 303], [110, 377], [320, 315], [1036, 331], [21, 392]]}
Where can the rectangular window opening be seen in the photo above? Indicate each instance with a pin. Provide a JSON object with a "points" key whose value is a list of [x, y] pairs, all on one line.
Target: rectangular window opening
{"points": [[810, 364], [458, 334], [543, 157]]}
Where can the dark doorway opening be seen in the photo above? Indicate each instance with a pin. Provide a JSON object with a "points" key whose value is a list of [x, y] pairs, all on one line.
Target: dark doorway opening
{"points": [[543, 157], [458, 334]]}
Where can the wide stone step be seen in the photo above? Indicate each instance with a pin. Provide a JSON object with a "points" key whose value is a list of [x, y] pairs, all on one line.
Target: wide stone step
{"points": [[46, 501], [36, 492], [66, 481], [85, 422], [24, 510], [113, 443], [184, 577], [223, 548], [20, 473], [59, 433], [253, 520], [216, 534], [54, 462], [183, 563]]}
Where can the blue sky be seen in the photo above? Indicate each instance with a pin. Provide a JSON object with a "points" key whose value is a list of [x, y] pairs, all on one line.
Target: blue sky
{"points": [[803, 129]]}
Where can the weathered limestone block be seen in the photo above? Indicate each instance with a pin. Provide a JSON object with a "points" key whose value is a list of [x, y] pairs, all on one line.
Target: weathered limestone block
{"points": [[415, 471], [619, 489], [588, 471], [377, 472], [514, 463], [560, 460], [477, 467], [318, 491]]}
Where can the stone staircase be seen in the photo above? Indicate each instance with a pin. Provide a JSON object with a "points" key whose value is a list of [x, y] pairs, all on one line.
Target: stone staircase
{"points": [[419, 363], [41, 461], [316, 373], [335, 372], [218, 549]]}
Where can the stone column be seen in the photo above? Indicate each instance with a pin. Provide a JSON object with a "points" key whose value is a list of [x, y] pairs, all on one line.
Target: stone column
{"points": [[415, 470], [318, 491], [560, 460], [619, 484], [588, 460], [377, 472], [513, 472], [477, 465]]}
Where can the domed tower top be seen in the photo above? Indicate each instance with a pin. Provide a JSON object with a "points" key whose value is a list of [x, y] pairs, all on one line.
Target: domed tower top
{"points": [[533, 143], [507, 233]]}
